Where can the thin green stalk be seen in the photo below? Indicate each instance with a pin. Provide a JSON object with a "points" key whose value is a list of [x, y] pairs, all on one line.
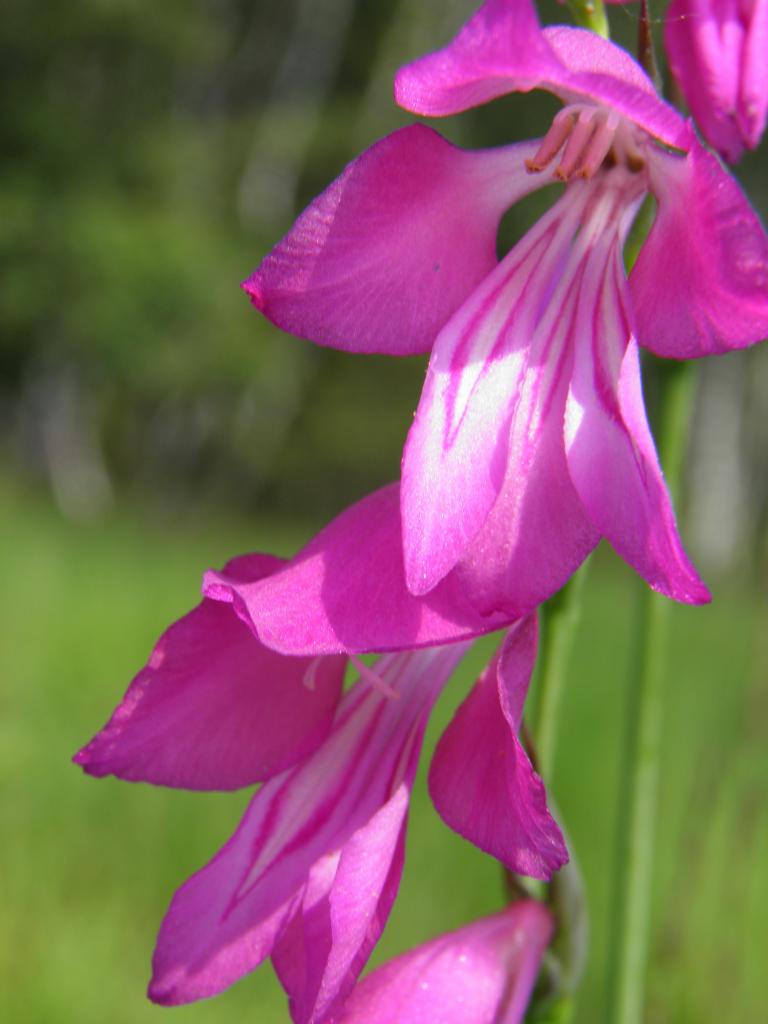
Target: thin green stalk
{"points": [[559, 619], [590, 14], [639, 774]]}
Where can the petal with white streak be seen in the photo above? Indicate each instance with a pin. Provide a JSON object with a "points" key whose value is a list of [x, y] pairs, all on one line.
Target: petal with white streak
{"points": [[316, 841], [490, 398]]}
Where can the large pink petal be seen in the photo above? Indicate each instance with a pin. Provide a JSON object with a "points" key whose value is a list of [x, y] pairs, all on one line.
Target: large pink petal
{"points": [[481, 780], [484, 375], [717, 53], [288, 855], [706, 69], [537, 532], [600, 71], [346, 592], [503, 49], [214, 708], [383, 257], [480, 974], [610, 451], [700, 283], [328, 941]]}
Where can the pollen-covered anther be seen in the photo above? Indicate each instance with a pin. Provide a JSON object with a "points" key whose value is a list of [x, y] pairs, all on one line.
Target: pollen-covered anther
{"points": [[583, 135]]}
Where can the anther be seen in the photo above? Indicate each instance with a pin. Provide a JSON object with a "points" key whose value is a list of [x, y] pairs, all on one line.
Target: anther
{"points": [[586, 136], [551, 144], [599, 145], [579, 139]]}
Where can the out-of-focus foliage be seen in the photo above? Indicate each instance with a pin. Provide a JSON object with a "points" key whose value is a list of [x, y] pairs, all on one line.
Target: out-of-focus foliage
{"points": [[127, 218]]}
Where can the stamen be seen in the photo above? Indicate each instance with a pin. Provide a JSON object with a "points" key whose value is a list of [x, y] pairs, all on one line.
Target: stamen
{"points": [[559, 130], [582, 132], [587, 136], [373, 677], [599, 145]]}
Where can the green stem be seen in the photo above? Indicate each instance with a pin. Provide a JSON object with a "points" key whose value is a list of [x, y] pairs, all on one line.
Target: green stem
{"points": [[590, 14], [639, 775], [559, 619]]}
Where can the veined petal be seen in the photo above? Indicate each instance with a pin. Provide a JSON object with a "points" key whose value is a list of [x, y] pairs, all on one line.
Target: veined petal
{"points": [[345, 591], [700, 283], [481, 780], [482, 376], [503, 49], [470, 976], [328, 941], [538, 533], [214, 708], [382, 258], [610, 451], [288, 855]]}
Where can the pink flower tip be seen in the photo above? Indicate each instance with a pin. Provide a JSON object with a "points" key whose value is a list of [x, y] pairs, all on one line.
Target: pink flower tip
{"points": [[254, 291]]}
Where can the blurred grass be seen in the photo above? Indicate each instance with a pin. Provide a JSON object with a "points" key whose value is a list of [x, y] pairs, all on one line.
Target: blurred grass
{"points": [[88, 867]]}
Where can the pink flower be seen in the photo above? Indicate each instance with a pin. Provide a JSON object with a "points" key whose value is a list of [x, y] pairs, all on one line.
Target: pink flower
{"points": [[481, 974], [718, 52], [530, 442], [311, 873]]}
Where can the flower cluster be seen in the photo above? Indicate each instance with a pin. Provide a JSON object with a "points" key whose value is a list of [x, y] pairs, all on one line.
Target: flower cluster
{"points": [[529, 445]]}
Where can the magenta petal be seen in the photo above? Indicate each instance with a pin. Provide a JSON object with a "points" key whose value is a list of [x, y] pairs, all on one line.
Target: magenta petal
{"points": [[346, 592], [600, 71], [480, 974], [700, 284], [306, 838], [537, 533], [503, 49], [383, 257], [329, 939], [611, 455], [753, 93], [214, 708], [487, 438], [717, 52], [481, 780]]}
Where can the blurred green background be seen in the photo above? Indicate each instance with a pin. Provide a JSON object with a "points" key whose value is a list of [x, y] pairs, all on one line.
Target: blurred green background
{"points": [[152, 424]]}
